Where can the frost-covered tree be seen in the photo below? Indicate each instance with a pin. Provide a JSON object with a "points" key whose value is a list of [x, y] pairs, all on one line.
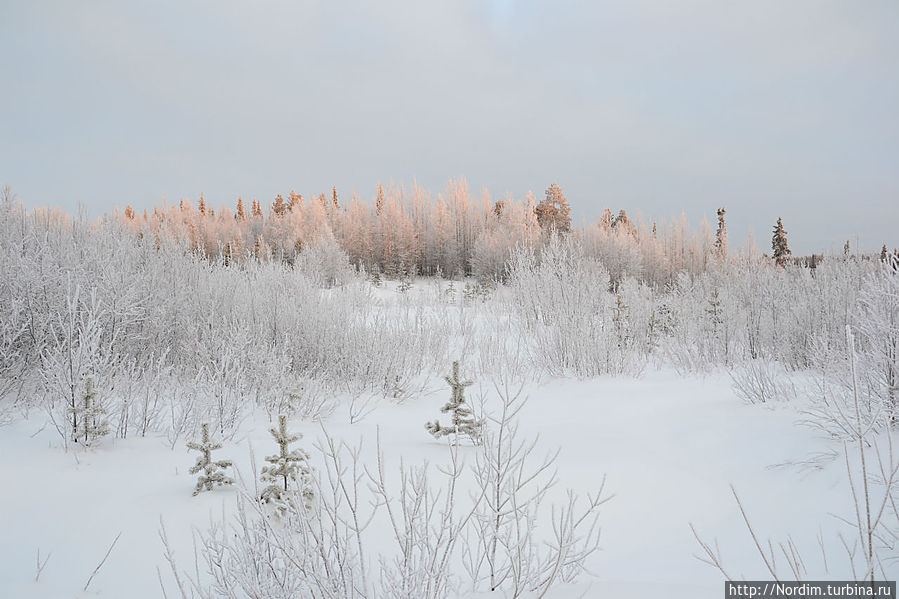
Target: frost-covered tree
{"points": [[89, 421], [554, 213], [380, 201], [623, 223], [288, 477], [779, 245], [278, 206], [211, 471], [721, 236], [606, 219], [463, 421], [295, 202], [717, 325], [877, 322]]}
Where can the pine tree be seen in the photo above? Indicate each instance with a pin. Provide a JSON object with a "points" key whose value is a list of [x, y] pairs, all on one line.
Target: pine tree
{"points": [[846, 248], [129, 212], [779, 245], [240, 215], [289, 473], [89, 418], [211, 471], [334, 199], [278, 206], [202, 204], [884, 253], [721, 236], [553, 212], [463, 422]]}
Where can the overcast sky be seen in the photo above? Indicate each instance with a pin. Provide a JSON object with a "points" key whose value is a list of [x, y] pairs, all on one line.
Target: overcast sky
{"points": [[784, 108]]}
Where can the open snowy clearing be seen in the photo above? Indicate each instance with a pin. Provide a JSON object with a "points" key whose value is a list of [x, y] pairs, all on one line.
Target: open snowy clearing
{"points": [[670, 447]]}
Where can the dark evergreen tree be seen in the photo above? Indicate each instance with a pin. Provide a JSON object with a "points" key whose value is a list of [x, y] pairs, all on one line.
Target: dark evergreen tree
{"points": [[720, 235], [779, 245]]}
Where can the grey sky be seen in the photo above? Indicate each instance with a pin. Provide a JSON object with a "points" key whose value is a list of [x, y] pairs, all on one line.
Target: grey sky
{"points": [[786, 108]]}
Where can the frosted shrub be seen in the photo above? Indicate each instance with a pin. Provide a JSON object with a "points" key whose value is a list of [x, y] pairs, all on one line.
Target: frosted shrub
{"points": [[505, 551], [561, 297], [13, 327], [762, 381], [325, 263], [75, 362], [877, 318]]}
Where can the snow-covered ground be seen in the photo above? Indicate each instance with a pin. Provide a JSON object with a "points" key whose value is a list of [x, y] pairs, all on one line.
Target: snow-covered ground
{"points": [[670, 447]]}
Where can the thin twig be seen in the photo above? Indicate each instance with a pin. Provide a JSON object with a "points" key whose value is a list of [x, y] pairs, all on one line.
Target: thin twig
{"points": [[103, 561]]}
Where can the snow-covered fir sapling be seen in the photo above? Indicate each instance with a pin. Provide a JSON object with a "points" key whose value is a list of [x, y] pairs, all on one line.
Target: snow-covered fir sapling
{"points": [[88, 418], [451, 292], [463, 422], [289, 473], [211, 472], [619, 317], [405, 281]]}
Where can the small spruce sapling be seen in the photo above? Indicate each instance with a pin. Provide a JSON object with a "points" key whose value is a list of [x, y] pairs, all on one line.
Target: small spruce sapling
{"points": [[289, 472], [619, 317], [211, 471], [89, 418], [463, 422]]}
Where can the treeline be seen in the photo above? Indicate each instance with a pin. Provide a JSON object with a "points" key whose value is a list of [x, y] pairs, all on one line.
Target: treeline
{"points": [[453, 233]]}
